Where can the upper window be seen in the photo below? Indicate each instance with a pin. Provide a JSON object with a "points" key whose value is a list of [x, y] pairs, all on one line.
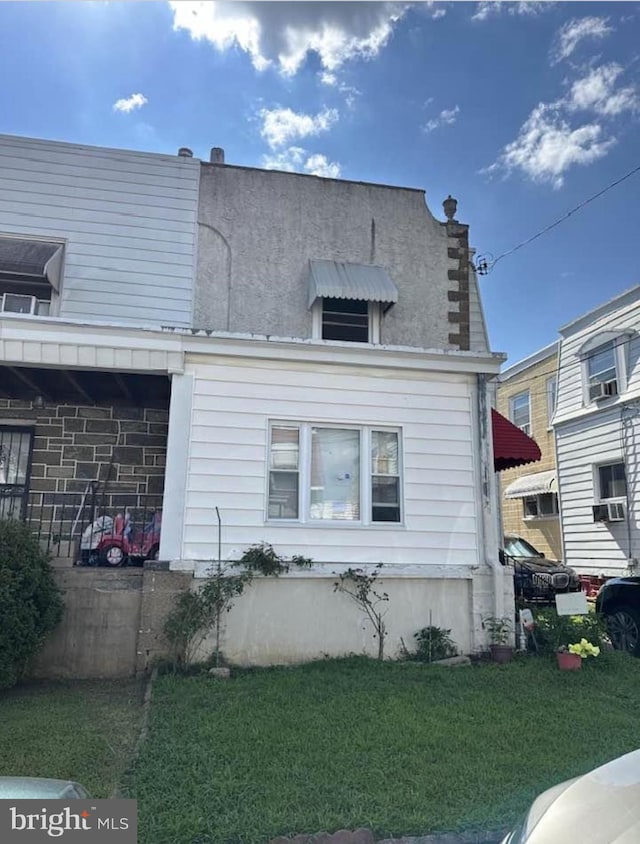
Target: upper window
{"points": [[345, 319], [346, 474], [520, 411], [602, 372], [29, 275], [612, 481], [552, 391]]}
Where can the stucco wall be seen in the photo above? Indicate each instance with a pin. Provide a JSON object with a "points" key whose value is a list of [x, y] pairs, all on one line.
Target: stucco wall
{"points": [[258, 229], [280, 621]]}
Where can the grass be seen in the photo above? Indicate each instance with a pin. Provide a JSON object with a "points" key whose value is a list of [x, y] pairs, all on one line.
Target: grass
{"points": [[402, 749], [80, 730]]}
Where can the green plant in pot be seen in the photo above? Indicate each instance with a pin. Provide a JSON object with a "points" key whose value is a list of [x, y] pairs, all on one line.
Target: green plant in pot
{"points": [[499, 629]]}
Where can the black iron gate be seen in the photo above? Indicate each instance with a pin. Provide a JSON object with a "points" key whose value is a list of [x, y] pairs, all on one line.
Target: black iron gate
{"points": [[16, 447]]}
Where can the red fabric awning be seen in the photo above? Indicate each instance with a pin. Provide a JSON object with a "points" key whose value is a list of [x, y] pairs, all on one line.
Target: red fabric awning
{"points": [[511, 446]]}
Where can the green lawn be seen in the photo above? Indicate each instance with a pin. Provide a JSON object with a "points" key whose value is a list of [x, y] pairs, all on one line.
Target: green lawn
{"points": [[80, 730], [402, 749]]}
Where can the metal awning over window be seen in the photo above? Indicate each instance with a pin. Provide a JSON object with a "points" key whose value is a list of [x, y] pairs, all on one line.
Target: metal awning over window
{"points": [[31, 261], [537, 483], [339, 280]]}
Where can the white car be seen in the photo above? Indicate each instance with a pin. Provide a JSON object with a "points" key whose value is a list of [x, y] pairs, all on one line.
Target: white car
{"points": [[601, 807]]}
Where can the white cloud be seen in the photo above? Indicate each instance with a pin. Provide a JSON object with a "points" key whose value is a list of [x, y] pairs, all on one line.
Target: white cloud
{"points": [[280, 126], [574, 31], [319, 165], [283, 34], [486, 8], [547, 146], [298, 160], [438, 13], [447, 117], [596, 92], [130, 103]]}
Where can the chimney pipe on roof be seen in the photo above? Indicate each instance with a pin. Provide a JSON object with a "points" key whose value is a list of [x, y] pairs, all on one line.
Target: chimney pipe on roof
{"points": [[217, 155], [185, 152]]}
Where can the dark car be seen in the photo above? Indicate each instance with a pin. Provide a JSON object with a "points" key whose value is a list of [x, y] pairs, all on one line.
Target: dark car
{"points": [[537, 578], [619, 602]]}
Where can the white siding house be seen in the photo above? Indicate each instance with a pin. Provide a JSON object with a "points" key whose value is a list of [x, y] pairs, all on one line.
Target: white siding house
{"points": [[334, 404], [597, 426], [126, 221]]}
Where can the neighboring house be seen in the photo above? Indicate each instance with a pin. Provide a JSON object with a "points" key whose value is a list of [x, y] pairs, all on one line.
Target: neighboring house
{"points": [[94, 245], [526, 395], [318, 371], [597, 424], [335, 406]]}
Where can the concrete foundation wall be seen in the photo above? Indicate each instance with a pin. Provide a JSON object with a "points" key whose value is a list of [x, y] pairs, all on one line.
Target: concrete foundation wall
{"points": [[99, 631], [292, 620]]}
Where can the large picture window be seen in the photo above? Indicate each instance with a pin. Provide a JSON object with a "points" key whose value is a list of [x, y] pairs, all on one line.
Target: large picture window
{"points": [[322, 473]]}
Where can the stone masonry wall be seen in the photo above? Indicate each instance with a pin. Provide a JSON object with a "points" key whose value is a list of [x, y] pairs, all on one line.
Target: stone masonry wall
{"points": [[123, 449]]}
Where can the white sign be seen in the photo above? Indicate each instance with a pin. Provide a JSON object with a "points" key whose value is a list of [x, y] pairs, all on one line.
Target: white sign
{"points": [[573, 603], [526, 620]]}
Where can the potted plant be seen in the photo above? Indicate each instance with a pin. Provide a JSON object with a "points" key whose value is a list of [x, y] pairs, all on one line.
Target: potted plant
{"points": [[570, 656], [499, 629]]}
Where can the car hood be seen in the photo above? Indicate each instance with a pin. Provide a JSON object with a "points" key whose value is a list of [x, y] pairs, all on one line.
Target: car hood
{"points": [[601, 807], [543, 565]]}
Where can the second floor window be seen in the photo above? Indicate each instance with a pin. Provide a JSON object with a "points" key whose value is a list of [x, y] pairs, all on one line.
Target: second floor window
{"points": [[348, 319], [552, 391], [520, 411], [602, 372]]}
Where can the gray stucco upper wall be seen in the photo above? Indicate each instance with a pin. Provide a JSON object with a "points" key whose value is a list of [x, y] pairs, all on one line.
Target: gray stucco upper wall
{"points": [[258, 229]]}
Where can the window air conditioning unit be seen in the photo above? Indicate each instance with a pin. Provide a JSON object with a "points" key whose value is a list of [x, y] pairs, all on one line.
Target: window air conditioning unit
{"points": [[612, 511], [17, 303], [603, 390]]}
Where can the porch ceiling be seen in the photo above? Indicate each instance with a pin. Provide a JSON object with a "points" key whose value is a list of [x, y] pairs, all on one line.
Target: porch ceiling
{"points": [[84, 386]]}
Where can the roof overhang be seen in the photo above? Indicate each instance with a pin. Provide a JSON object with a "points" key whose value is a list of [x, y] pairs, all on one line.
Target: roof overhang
{"points": [[537, 483], [511, 446], [341, 280], [32, 261]]}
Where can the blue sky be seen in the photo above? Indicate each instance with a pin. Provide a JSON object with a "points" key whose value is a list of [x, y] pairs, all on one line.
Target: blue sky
{"points": [[519, 110]]}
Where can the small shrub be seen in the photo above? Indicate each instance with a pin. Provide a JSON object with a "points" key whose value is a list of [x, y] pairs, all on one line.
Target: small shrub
{"points": [[30, 601], [360, 586], [552, 631], [263, 559], [196, 613], [434, 643]]}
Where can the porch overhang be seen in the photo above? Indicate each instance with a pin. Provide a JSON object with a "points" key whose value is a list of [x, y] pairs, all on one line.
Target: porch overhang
{"points": [[511, 446]]}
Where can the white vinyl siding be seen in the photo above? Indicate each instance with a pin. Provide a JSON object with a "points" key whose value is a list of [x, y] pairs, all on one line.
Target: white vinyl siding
{"points": [[128, 220], [582, 447], [572, 373], [234, 405]]}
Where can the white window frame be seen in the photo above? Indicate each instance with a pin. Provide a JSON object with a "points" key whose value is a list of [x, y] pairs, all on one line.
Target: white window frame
{"points": [[375, 320], [599, 499], [620, 372], [304, 476], [540, 516], [512, 399], [552, 397]]}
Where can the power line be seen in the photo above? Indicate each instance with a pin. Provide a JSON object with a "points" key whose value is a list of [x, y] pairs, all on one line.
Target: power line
{"points": [[484, 265]]}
